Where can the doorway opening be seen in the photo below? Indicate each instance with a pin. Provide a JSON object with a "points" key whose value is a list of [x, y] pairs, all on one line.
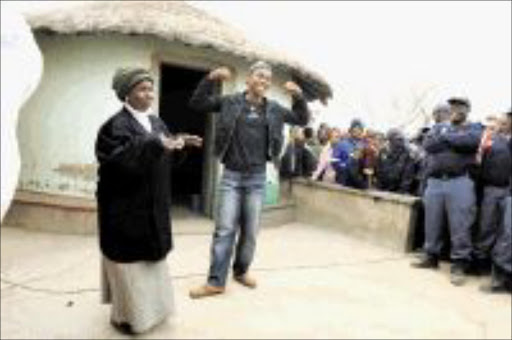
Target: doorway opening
{"points": [[189, 174]]}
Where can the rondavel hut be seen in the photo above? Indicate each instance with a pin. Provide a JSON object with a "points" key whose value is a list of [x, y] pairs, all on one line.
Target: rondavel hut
{"points": [[82, 46]]}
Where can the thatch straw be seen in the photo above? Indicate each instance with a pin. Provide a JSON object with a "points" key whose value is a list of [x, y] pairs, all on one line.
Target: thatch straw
{"points": [[172, 21]]}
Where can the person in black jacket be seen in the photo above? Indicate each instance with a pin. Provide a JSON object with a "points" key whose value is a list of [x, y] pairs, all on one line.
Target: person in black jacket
{"points": [[298, 160], [249, 132], [496, 166], [133, 149], [451, 150], [395, 168], [501, 253]]}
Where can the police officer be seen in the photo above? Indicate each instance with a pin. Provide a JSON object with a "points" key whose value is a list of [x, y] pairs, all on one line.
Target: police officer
{"points": [[451, 148], [501, 254]]}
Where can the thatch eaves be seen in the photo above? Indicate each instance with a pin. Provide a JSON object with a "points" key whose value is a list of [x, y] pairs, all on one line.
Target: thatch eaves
{"points": [[173, 21]]}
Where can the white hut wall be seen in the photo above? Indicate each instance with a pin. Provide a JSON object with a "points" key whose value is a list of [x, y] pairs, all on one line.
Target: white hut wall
{"points": [[58, 125]]}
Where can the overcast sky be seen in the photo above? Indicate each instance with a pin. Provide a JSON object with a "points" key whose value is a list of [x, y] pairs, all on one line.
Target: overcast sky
{"points": [[386, 61], [381, 58]]}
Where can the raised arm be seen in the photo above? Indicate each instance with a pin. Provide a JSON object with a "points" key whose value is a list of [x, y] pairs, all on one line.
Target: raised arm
{"points": [[206, 97], [299, 114]]}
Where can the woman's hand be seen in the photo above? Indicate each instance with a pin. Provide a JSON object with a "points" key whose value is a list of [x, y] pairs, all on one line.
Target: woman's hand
{"points": [[191, 140], [172, 143]]}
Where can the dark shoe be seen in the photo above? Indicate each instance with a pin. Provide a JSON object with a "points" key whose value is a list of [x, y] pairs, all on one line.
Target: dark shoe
{"points": [[458, 274], [501, 282], [123, 327], [481, 267], [426, 262], [495, 287]]}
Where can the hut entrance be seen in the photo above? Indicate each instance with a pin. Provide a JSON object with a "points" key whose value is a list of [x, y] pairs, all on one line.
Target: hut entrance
{"points": [[191, 175]]}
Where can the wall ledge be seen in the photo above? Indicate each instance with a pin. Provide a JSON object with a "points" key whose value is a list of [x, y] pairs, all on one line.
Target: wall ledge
{"points": [[55, 200], [375, 194]]}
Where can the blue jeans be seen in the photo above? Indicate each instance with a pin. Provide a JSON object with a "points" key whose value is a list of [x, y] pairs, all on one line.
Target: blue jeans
{"points": [[240, 204]]}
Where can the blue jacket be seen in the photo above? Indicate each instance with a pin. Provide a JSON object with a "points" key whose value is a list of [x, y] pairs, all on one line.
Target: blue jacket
{"points": [[347, 164], [451, 149], [344, 152]]}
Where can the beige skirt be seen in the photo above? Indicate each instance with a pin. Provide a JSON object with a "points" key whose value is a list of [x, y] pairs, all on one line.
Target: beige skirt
{"points": [[141, 293]]}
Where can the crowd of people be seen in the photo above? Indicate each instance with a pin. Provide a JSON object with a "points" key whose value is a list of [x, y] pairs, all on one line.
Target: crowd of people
{"points": [[135, 150], [358, 158], [461, 169]]}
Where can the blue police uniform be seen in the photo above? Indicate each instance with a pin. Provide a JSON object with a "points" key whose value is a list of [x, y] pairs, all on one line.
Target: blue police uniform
{"points": [[451, 150]]}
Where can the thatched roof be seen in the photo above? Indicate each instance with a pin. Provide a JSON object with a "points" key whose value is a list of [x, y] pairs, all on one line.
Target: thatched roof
{"points": [[173, 21]]}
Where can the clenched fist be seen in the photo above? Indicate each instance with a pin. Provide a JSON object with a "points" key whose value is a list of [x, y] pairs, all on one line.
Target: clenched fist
{"points": [[222, 73], [292, 88]]}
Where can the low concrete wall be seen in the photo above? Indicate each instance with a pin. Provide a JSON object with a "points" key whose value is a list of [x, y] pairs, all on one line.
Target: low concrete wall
{"points": [[72, 215], [54, 213], [381, 218]]}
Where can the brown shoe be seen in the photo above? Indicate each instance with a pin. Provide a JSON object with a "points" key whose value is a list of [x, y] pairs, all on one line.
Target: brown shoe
{"points": [[205, 291], [246, 280]]}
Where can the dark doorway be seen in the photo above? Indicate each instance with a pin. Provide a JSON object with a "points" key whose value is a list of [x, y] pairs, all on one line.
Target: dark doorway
{"points": [[187, 177]]}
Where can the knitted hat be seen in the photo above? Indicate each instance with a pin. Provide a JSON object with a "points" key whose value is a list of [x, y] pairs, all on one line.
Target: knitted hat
{"points": [[356, 123], [125, 79]]}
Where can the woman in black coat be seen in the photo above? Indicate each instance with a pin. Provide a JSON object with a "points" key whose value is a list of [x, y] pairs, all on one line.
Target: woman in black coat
{"points": [[134, 151]]}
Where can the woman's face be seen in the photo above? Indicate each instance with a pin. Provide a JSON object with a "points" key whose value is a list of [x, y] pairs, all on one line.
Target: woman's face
{"points": [[142, 95]]}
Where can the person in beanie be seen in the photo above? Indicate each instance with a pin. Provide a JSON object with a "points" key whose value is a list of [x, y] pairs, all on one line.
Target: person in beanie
{"points": [[134, 150], [249, 133], [395, 165], [348, 155], [501, 252]]}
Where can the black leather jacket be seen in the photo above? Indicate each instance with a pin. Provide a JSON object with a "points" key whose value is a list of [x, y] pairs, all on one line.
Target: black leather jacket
{"points": [[229, 108]]}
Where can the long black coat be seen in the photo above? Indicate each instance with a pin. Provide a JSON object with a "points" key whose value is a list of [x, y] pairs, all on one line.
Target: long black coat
{"points": [[133, 191]]}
